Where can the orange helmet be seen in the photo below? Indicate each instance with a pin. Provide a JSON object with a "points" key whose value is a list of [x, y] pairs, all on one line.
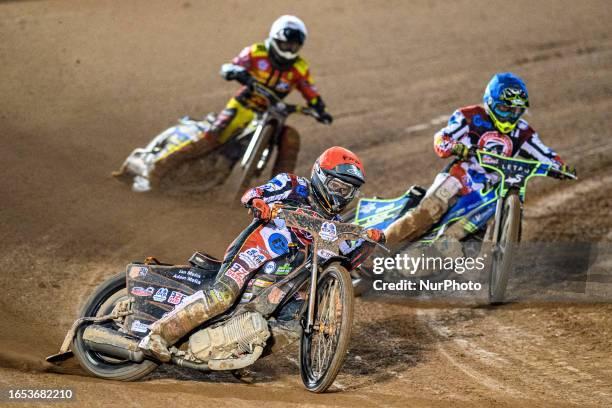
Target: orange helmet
{"points": [[336, 177]]}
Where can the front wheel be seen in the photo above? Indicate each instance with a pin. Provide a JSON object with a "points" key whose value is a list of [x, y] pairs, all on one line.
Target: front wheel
{"points": [[323, 350], [504, 248], [97, 364]]}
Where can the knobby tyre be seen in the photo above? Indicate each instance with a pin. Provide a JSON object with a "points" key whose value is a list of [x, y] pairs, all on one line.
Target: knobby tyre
{"points": [[504, 250], [323, 351], [101, 303]]}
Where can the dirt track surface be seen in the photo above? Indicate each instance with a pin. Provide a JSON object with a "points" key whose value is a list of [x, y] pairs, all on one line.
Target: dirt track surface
{"points": [[83, 82]]}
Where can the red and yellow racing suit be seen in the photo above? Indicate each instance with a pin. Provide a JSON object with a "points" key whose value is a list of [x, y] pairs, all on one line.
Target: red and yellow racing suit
{"points": [[240, 110]]}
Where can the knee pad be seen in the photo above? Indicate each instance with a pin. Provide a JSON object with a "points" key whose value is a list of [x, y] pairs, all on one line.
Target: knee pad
{"points": [[444, 189]]}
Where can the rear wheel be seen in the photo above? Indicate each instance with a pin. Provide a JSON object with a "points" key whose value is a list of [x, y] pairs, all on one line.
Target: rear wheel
{"points": [[101, 303], [251, 169], [504, 248], [323, 350]]}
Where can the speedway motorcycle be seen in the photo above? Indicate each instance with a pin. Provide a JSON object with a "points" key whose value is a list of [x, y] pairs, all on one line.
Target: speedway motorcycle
{"points": [[252, 147], [117, 316], [493, 216]]}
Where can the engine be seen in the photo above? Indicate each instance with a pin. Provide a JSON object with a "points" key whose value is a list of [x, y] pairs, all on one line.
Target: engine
{"points": [[239, 336]]}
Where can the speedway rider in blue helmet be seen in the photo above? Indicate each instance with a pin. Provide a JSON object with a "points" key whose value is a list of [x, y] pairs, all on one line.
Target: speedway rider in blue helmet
{"points": [[497, 127]]}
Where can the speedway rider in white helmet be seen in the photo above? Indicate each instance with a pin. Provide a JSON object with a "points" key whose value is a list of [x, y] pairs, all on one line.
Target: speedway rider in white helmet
{"points": [[275, 63]]}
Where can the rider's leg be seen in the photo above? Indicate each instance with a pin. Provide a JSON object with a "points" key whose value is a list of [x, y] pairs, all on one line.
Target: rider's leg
{"points": [[244, 256], [433, 206], [288, 150], [233, 118]]}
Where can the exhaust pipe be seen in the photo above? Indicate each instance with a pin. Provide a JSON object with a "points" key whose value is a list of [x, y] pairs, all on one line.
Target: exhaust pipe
{"points": [[112, 343]]}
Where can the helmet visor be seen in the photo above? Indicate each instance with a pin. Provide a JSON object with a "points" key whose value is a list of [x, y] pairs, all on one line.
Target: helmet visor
{"points": [[294, 36], [288, 46]]}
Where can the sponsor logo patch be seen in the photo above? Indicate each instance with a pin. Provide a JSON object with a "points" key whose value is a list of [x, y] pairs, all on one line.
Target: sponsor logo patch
{"points": [[138, 271], [175, 297], [284, 269], [139, 327], [328, 232], [140, 291], [270, 267], [496, 142], [252, 257], [237, 273], [325, 253], [278, 243], [263, 65], [160, 295]]}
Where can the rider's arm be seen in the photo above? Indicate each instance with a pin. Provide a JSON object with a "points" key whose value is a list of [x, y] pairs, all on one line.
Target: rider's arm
{"points": [[446, 138], [304, 82], [238, 69], [533, 148], [245, 58], [277, 189]]}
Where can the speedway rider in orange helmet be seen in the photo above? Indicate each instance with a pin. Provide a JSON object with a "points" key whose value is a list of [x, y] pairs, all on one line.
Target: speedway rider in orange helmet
{"points": [[335, 180]]}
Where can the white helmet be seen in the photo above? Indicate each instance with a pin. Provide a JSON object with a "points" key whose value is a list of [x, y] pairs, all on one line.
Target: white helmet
{"points": [[287, 35]]}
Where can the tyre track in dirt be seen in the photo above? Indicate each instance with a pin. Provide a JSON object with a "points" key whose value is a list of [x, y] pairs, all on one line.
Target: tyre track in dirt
{"points": [[503, 349]]}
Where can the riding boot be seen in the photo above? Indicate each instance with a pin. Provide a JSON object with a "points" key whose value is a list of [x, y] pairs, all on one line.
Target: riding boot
{"points": [[416, 221], [430, 210], [200, 307]]}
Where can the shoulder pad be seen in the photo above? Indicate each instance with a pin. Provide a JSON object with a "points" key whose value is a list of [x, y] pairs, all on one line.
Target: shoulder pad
{"points": [[259, 50], [522, 124], [301, 66], [470, 111]]}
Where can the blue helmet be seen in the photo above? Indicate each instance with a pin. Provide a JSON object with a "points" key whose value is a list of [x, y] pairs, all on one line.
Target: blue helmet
{"points": [[505, 100]]}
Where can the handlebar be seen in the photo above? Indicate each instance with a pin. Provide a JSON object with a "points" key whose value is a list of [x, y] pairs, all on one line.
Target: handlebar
{"points": [[279, 210], [552, 171], [560, 174], [274, 101]]}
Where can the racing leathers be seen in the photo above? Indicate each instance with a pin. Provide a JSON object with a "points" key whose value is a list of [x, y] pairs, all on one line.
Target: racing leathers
{"points": [[241, 109], [468, 127], [256, 250]]}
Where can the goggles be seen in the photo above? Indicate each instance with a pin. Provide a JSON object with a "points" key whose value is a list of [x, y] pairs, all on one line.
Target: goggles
{"points": [[340, 188], [511, 113]]}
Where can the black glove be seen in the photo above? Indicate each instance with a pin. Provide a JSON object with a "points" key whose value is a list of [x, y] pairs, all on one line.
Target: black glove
{"points": [[322, 115], [325, 118]]}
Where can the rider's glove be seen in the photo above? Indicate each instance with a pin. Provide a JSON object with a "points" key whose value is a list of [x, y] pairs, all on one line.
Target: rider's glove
{"points": [[260, 209], [322, 115], [231, 72], [460, 150], [325, 118], [376, 235]]}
